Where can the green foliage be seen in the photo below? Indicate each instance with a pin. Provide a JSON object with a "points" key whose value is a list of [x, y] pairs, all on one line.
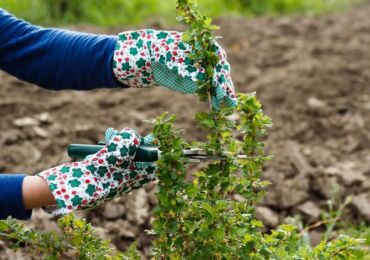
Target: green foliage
{"points": [[200, 37], [261, 7], [134, 12], [77, 239], [199, 219], [361, 232], [98, 12], [331, 218]]}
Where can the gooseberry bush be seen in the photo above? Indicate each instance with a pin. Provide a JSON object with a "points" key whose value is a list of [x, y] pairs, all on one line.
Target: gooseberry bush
{"points": [[200, 219]]}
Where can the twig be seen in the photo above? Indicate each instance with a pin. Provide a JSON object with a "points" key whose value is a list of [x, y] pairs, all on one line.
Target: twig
{"points": [[210, 100], [4, 234], [320, 223]]}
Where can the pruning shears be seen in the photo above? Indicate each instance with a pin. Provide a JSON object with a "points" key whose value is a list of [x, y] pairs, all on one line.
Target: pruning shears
{"points": [[145, 153]]}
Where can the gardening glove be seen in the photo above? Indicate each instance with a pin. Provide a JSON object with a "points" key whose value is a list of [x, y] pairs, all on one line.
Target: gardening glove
{"points": [[146, 58], [99, 177], [139, 166]]}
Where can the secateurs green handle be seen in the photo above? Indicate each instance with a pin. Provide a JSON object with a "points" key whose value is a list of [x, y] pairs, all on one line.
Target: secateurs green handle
{"points": [[143, 154]]}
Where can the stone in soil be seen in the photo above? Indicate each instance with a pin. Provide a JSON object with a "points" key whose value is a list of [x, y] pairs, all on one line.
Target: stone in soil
{"points": [[310, 210], [267, 216], [361, 203]]}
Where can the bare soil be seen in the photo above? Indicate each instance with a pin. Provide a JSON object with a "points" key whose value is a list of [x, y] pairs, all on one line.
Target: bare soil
{"points": [[312, 75]]}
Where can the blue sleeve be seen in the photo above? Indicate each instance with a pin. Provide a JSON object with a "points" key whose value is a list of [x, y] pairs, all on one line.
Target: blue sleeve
{"points": [[56, 59], [11, 198]]}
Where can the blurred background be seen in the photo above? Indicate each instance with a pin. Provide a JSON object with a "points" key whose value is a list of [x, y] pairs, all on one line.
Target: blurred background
{"points": [[307, 60], [135, 12]]}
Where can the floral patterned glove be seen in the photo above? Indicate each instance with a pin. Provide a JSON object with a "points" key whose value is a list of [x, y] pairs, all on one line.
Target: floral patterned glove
{"points": [[147, 57], [101, 176]]}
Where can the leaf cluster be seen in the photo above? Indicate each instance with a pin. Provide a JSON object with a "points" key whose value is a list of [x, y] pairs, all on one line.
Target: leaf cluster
{"points": [[77, 240], [202, 41]]}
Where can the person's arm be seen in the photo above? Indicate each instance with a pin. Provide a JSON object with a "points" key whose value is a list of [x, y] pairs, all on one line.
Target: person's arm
{"points": [[36, 193], [20, 193], [59, 59], [79, 185], [56, 59]]}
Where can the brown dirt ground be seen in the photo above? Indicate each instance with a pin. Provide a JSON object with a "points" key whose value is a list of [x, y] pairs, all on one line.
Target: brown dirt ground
{"points": [[312, 75]]}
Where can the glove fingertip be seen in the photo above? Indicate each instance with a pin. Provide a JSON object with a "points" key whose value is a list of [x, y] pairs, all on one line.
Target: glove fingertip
{"points": [[109, 133], [231, 102], [216, 103], [148, 140]]}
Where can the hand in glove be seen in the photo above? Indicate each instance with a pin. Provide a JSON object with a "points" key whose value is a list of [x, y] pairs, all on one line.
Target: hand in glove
{"points": [[148, 57], [101, 176]]}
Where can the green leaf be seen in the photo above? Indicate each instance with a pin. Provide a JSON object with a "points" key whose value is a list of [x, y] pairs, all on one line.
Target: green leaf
{"points": [[247, 238], [219, 234], [257, 223], [287, 227], [209, 209], [186, 36], [3, 225]]}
